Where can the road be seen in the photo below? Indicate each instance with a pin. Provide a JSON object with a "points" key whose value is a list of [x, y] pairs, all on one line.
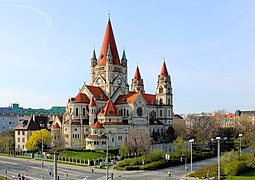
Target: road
{"points": [[15, 166]]}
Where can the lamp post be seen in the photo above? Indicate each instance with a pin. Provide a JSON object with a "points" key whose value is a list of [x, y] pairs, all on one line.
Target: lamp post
{"points": [[191, 141], [218, 139], [107, 154], [185, 165], [240, 136], [42, 148]]}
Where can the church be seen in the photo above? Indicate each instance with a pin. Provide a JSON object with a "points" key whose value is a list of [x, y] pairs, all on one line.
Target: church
{"points": [[108, 109]]}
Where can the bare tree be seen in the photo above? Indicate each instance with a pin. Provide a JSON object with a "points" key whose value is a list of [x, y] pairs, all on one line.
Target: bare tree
{"points": [[138, 141], [202, 128], [180, 127]]}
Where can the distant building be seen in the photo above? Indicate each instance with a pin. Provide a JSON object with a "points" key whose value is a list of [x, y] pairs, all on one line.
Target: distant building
{"points": [[225, 120], [245, 115], [8, 118], [25, 129], [25, 113], [108, 107]]}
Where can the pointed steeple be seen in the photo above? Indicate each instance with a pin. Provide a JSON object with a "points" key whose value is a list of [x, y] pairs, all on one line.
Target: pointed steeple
{"points": [[108, 39], [137, 75], [124, 55], [137, 82], [109, 52], [94, 54], [164, 72]]}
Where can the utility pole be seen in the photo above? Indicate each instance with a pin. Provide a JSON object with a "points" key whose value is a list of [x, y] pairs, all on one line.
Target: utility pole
{"points": [[55, 167]]}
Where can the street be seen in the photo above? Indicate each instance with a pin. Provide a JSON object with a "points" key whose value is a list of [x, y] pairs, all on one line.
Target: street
{"points": [[14, 166]]}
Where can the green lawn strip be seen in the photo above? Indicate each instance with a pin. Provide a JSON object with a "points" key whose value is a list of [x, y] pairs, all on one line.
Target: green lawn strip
{"points": [[61, 162], [23, 157], [205, 171], [84, 155], [250, 175]]}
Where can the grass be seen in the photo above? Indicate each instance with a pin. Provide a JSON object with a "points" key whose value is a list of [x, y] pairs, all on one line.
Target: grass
{"points": [[246, 176], [204, 171], [85, 155]]}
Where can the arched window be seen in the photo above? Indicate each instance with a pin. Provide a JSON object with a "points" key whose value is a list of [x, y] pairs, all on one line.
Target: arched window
{"points": [[76, 111], [124, 112], [160, 90]]}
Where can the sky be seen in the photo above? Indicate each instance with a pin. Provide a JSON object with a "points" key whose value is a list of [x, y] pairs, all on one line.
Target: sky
{"points": [[208, 47]]}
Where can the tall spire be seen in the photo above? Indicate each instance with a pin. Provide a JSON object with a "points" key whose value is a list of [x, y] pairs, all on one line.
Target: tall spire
{"points": [[124, 57], [137, 75], [108, 39], [164, 72], [94, 54]]}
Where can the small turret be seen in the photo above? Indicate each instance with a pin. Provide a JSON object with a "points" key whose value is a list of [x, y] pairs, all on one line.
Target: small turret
{"points": [[124, 59], [92, 111], [137, 82], [93, 59], [109, 54]]}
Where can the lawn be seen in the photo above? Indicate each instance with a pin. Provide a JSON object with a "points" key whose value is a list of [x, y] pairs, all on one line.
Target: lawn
{"points": [[85, 155], [246, 176]]}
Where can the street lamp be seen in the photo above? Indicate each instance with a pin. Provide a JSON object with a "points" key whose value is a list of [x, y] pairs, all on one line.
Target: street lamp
{"points": [[191, 141], [218, 139], [240, 136], [42, 148], [107, 154]]}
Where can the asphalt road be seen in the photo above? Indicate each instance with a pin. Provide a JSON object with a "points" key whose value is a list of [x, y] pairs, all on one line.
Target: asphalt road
{"points": [[15, 166]]}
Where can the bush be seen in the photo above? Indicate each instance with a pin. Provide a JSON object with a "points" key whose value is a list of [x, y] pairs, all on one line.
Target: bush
{"points": [[235, 168], [155, 165], [130, 168], [155, 156]]}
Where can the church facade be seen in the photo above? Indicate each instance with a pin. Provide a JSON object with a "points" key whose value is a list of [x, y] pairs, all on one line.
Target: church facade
{"points": [[108, 109]]}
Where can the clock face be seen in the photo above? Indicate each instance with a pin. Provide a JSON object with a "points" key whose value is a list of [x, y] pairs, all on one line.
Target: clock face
{"points": [[139, 111], [119, 81], [99, 81]]}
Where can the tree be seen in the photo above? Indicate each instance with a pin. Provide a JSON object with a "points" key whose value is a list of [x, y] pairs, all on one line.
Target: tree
{"points": [[202, 128], [138, 141], [180, 127], [7, 140], [36, 139], [180, 146]]}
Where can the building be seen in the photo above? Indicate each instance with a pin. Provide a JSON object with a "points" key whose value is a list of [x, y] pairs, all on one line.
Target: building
{"points": [[248, 116], [8, 118], [26, 113], [25, 129], [109, 108], [225, 120]]}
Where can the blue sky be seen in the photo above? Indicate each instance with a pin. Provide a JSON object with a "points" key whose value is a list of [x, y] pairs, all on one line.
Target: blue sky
{"points": [[46, 46]]}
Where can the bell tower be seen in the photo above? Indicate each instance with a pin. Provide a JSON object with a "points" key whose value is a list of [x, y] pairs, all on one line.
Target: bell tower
{"points": [[137, 82], [109, 72], [164, 95]]}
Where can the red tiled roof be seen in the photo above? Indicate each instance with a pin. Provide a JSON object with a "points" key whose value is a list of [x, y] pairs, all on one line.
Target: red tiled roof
{"points": [[97, 92], [108, 39], [164, 72], [97, 125], [56, 126], [112, 123], [92, 102], [126, 98], [137, 75], [80, 98], [131, 96], [109, 109], [149, 98], [73, 121]]}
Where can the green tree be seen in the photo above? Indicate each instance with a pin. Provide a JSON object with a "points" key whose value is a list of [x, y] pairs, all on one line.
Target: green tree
{"points": [[180, 147], [7, 140], [35, 140]]}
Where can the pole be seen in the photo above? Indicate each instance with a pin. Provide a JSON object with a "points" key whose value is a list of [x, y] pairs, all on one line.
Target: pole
{"points": [[191, 141], [186, 167], [191, 157], [42, 148], [55, 167], [240, 135], [107, 168], [218, 139]]}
